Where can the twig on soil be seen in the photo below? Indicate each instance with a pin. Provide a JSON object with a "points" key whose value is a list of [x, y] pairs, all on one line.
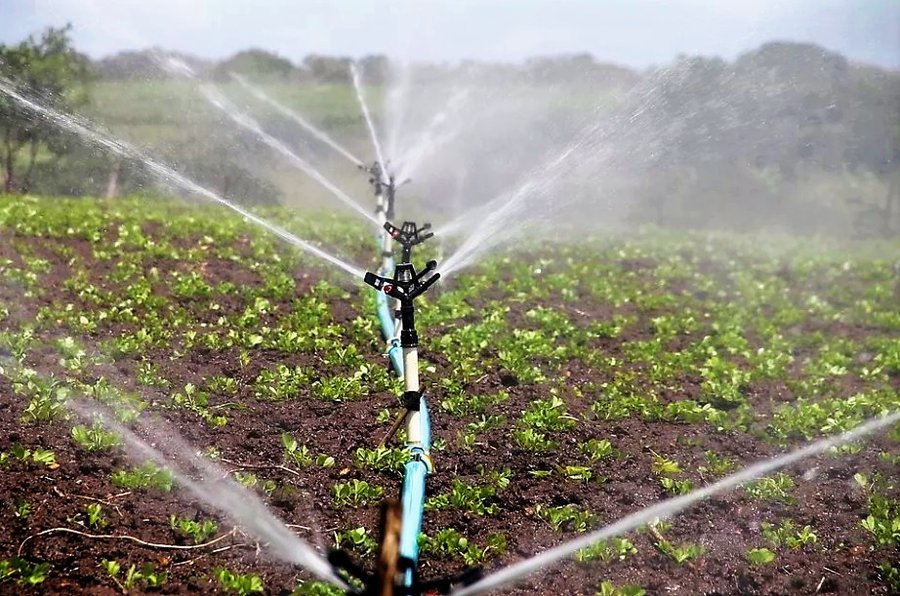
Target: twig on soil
{"points": [[130, 538], [308, 529], [660, 540], [259, 466], [113, 505], [212, 552]]}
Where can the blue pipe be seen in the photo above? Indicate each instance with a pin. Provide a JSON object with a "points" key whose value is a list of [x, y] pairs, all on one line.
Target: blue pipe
{"points": [[413, 496], [386, 319]]}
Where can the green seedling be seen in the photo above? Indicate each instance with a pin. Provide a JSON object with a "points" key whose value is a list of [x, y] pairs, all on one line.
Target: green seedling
{"points": [[474, 499], [355, 493], [381, 459], [605, 551], [759, 556], [147, 476], [197, 531], [716, 465], [773, 488], [240, 584], [607, 588], [597, 449], [25, 573], [94, 516], [566, 518], [95, 437], [449, 543], [786, 534], [357, 539]]}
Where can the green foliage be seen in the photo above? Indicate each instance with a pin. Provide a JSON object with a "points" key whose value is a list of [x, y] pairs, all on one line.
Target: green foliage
{"points": [[448, 543], [532, 440], [241, 584], [773, 488], [547, 415], [147, 476], [355, 493], [479, 500], [49, 68], [788, 535], [716, 465], [605, 551], [381, 459], [567, 518], [759, 556], [147, 576], [357, 539], [24, 572], [597, 449], [197, 531], [607, 588], [95, 437]]}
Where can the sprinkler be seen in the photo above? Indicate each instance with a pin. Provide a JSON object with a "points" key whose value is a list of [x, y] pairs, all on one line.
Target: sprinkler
{"points": [[397, 569], [408, 235]]}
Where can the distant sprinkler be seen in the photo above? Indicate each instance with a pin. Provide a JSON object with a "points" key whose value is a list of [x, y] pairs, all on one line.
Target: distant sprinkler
{"points": [[385, 186]]}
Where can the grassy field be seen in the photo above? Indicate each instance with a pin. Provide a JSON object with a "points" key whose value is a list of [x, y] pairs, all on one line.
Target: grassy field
{"points": [[569, 384]]}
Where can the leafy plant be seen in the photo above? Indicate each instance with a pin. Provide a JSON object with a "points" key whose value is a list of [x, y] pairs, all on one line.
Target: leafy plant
{"points": [[772, 488], [607, 588], [241, 584], [24, 572], [355, 493], [475, 499], [146, 476], [566, 517], [759, 556], [357, 539], [597, 449], [606, 551], [197, 531], [95, 437]]}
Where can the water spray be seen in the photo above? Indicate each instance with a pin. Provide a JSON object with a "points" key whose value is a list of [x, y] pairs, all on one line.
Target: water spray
{"points": [[165, 173], [289, 113], [670, 507]]}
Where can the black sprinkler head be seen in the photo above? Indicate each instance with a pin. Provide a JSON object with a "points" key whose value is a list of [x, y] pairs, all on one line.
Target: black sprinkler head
{"points": [[408, 235]]}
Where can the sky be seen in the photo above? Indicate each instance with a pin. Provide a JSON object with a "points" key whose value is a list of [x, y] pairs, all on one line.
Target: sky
{"points": [[637, 33]]}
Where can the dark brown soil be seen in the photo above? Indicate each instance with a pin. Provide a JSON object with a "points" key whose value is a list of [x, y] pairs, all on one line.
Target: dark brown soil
{"points": [[842, 561]]}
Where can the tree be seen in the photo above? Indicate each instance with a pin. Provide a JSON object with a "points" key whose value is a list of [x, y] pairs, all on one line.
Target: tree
{"points": [[257, 63], [50, 70]]}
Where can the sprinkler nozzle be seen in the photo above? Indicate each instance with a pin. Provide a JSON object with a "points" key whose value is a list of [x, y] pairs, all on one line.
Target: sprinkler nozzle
{"points": [[408, 235]]}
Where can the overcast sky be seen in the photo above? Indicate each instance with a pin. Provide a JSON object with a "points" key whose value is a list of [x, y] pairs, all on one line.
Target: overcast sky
{"points": [[633, 32]]}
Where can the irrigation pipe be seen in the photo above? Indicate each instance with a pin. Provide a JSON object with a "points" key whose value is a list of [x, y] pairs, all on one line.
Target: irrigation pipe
{"points": [[127, 537]]}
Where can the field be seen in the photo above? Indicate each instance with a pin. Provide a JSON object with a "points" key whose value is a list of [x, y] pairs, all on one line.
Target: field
{"points": [[569, 385]]}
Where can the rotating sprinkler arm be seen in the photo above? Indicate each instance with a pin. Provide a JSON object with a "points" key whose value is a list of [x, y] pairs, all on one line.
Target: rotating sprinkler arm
{"points": [[408, 235]]}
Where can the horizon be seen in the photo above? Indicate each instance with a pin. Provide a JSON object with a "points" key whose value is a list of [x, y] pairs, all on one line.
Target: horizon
{"points": [[637, 35]]}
